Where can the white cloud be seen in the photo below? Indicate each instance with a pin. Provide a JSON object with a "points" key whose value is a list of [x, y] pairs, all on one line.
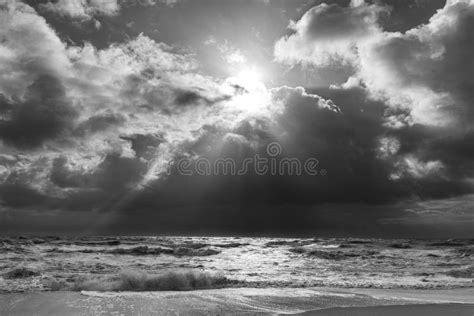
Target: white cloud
{"points": [[231, 54], [388, 147], [82, 9], [31, 48], [235, 57], [328, 34], [425, 71], [414, 167], [129, 88]]}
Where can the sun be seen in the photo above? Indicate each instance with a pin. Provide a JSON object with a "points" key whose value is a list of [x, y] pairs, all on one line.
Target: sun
{"points": [[253, 94], [249, 77]]}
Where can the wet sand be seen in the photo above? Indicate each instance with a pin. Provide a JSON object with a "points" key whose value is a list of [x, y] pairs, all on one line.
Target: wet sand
{"points": [[312, 301], [396, 310]]}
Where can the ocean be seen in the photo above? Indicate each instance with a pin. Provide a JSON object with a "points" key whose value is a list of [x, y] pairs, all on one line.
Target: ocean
{"points": [[143, 263]]}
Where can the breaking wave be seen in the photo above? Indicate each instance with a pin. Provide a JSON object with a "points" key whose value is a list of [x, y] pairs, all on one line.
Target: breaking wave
{"points": [[140, 281]]}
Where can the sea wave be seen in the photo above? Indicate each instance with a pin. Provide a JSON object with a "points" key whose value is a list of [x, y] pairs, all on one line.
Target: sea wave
{"points": [[332, 255], [144, 250], [141, 281], [91, 263]]}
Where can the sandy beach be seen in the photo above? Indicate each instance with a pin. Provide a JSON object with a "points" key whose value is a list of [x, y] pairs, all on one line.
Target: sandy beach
{"points": [[238, 301], [407, 310]]}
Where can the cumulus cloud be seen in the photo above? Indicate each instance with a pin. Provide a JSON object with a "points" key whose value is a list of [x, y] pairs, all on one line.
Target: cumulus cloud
{"points": [[329, 33], [29, 48], [82, 9], [422, 71], [75, 100], [425, 69], [417, 168], [422, 77], [110, 111]]}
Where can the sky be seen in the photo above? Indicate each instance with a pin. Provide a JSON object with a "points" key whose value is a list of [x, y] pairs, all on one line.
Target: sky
{"points": [[115, 116]]}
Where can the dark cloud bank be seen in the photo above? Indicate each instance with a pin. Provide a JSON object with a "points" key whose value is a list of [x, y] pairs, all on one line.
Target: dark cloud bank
{"points": [[87, 134]]}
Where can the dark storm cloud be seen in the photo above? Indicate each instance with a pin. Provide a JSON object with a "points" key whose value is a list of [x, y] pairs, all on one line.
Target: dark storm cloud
{"points": [[117, 173], [63, 177], [113, 174], [5, 105], [44, 114], [344, 144], [451, 218], [453, 150], [427, 142], [94, 189], [15, 195]]}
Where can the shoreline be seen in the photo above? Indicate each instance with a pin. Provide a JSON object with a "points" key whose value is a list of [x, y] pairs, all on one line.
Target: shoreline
{"points": [[263, 301]]}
